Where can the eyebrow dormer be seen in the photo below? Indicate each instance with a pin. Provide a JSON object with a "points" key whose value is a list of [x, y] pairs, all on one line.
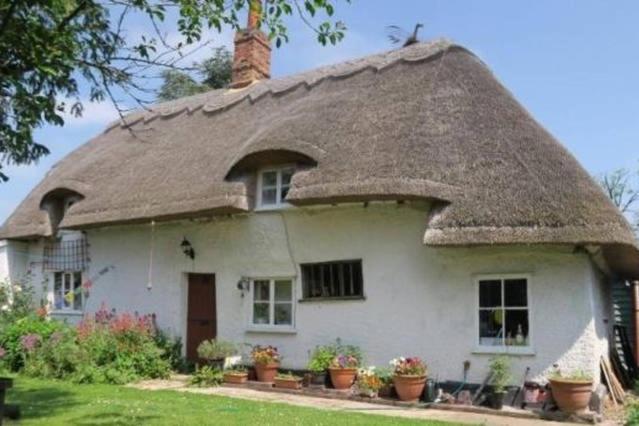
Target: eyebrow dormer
{"points": [[56, 203]]}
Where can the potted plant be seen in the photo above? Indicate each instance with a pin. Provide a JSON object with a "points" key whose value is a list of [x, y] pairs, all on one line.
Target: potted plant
{"points": [[319, 362], [500, 370], [409, 377], [216, 351], [288, 381], [236, 375], [343, 369], [572, 392], [385, 375], [266, 360], [368, 383]]}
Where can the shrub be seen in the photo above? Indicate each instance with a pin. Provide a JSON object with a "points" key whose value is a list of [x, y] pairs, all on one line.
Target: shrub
{"points": [[171, 350], [321, 358], [216, 349], [500, 369], [11, 338], [206, 376], [632, 414]]}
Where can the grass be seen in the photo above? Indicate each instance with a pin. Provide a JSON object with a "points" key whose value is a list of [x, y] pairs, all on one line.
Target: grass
{"points": [[58, 403]]}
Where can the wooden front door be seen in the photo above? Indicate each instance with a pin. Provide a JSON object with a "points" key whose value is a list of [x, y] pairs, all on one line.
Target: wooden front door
{"points": [[201, 321]]}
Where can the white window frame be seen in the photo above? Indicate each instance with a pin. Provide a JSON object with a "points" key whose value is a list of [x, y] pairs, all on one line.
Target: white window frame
{"points": [[271, 327], [504, 349], [279, 202], [69, 309]]}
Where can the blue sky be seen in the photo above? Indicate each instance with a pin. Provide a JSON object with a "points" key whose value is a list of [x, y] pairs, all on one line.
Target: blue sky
{"points": [[573, 63]]}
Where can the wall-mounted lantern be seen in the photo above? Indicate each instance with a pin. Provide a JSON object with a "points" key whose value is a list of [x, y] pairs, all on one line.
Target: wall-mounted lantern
{"points": [[187, 248]]}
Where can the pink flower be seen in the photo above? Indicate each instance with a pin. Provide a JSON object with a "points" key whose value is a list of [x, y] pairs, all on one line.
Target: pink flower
{"points": [[30, 341]]}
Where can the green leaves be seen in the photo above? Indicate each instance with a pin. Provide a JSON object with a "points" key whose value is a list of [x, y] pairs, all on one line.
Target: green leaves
{"points": [[47, 45]]}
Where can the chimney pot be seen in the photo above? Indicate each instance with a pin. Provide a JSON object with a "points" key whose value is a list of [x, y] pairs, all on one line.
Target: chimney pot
{"points": [[252, 56]]}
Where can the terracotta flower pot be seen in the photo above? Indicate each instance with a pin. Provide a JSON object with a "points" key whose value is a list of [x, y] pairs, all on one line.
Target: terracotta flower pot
{"points": [[342, 378], [409, 388], [288, 383], [266, 372], [571, 396], [236, 378]]}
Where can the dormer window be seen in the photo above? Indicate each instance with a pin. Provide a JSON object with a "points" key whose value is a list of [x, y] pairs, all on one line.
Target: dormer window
{"points": [[272, 187]]}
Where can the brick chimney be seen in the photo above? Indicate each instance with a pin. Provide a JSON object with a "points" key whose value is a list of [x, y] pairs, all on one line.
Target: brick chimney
{"points": [[252, 57]]}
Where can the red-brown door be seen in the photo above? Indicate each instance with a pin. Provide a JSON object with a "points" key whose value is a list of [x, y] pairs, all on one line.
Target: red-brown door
{"points": [[201, 317]]}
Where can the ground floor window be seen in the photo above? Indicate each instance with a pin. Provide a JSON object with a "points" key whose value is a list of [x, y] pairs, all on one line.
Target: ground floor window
{"points": [[272, 302], [503, 311], [333, 280], [67, 291]]}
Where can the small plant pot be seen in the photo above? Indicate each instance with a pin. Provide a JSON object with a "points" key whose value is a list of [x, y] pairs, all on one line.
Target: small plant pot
{"points": [[235, 378], [318, 379], [571, 396], [288, 383], [387, 391], [342, 378], [266, 372], [409, 388], [497, 400]]}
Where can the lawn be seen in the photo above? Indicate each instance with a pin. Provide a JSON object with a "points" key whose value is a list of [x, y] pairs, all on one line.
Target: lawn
{"points": [[58, 403]]}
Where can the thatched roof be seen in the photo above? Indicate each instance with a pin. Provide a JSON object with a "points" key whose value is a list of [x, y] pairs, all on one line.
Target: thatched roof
{"points": [[429, 121]]}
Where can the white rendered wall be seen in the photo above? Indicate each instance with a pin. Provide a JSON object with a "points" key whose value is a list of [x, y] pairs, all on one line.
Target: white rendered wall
{"points": [[419, 301]]}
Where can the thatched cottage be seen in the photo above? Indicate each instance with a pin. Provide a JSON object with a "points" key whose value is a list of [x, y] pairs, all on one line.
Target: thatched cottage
{"points": [[404, 202]]}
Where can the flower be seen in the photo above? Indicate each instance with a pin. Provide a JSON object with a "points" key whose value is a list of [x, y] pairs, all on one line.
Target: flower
{"points": [[17, 289], [265, 354], [30, 341], [3, 352], [412, 366], [5, 307], [344, 361]]}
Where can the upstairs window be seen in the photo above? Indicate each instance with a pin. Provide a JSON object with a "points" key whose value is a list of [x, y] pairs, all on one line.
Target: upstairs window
{"points": [[333, 280], [67, 291], [503, 312], [273, 186]]}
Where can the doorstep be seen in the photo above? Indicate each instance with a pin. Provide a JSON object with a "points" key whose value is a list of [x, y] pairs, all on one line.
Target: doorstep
{"points": [[322, 392]]}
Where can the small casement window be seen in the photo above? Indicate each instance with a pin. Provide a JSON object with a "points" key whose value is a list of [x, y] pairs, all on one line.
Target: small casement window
{"points": [[503, 312], [67, 291], [337, 280], [273, 186], [272, 303]]}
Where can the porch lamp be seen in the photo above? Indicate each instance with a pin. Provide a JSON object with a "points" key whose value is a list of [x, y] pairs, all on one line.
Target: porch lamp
{"points": [[187, 249], [243, 285]]}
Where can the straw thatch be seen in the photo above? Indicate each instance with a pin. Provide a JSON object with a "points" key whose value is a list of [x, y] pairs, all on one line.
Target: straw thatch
{"points": [[428, 121]]}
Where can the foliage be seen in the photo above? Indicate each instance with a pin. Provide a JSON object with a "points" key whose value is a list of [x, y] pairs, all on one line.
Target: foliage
{"points": [[53, 53], [500, 369], [57, 403], [206, 376], [216, 349], [622, 187], [13, 334], [385, 374], [411, 366], [214, 71], [236, 369], [575, 375], [321, 358], [368, 381], [287, 376], [632, 414], [344, 361], [265, 355], [171, 348], [16, 301]]}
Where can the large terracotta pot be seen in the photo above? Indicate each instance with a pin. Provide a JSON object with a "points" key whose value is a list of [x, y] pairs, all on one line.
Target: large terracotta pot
{"points": [[266, 372], [342, 378], [571, 396], [409, 388]]}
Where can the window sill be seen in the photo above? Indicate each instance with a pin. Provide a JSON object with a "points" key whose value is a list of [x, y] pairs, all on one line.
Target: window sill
{"points": [[507, 350], [333, 299], [68, 313], [273, 207], [271, 330]]}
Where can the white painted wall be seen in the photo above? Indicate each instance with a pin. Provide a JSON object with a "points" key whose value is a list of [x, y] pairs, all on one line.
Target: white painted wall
{"points": [[419, 301]]}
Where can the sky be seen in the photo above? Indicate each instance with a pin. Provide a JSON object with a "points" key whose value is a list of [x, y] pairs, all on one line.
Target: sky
{"points": [[574, 64]]}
